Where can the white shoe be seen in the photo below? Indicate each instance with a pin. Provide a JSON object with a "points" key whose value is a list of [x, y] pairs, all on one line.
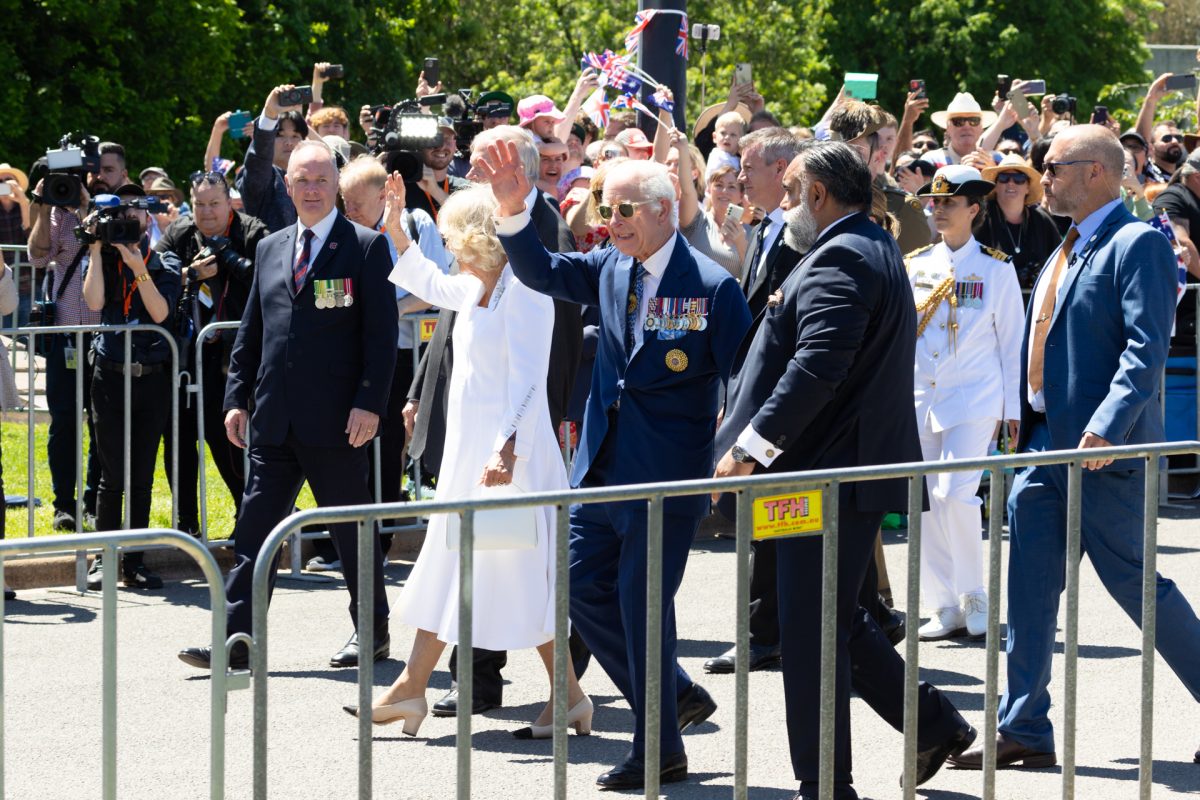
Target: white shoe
{"points": [[319, 564], [946, 623], [974, 612]]}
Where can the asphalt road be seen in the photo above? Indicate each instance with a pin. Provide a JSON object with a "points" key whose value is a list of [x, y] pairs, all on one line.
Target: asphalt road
{"points": [[52, 703]]}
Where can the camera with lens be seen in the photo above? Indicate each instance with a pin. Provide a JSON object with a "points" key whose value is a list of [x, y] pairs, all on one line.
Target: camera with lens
{"points": [[468, 117], [227, 258], [402, 129], [1063, 104], [77, 154], [108, 223]]}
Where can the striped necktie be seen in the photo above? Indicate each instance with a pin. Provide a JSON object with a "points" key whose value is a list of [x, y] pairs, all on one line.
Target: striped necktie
{"points": [[303, 261], [634, 309]]}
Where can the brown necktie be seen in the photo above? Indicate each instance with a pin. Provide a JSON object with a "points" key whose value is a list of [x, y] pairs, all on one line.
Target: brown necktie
{"points": [[1041, 325]]}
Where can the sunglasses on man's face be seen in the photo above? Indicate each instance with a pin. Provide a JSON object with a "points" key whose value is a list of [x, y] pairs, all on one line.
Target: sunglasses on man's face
{"points": [[1019, 178], [1052, 166], [625, 209], [958, 122], [1167, 138], [925, 144]]}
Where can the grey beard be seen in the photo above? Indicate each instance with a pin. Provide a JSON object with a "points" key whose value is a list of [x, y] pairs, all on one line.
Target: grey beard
{"points": [[800, 229]]}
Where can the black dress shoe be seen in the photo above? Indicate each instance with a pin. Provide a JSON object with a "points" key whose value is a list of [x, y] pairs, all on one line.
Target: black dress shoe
{"points": [[448, 705], [9, 594], [1008, 754], [894, 627], [931, 760], [693, 708], [631, 773], [348, 655], [201, 657], [1196, 758], [761, 657]]}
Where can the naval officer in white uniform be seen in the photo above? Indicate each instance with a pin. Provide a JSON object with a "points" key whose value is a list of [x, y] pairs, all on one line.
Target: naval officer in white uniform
{"points": [[967, 375]]}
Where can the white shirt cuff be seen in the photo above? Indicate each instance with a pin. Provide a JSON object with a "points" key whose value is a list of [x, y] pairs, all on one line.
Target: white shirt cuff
{"points": [[510, 226], [759, 448], [265, 123]]}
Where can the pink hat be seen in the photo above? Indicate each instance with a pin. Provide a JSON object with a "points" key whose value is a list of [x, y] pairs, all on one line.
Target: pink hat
{"points": [[535, 106], [633, 137]]}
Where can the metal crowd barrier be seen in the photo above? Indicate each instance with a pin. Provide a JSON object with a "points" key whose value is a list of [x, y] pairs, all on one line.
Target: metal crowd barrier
{"points": [[20, 265], [221, 682], [79, 330], [748, 490]]}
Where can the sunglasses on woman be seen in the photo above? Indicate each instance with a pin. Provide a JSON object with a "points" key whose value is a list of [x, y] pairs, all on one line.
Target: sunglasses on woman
{"points": [[199, 176], [1019, 178], [958, 122], [625, 209]]}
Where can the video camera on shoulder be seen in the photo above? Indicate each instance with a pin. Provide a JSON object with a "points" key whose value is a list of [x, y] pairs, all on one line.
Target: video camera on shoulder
{"points": [[77, 155], [402, 129], [108, 223]]}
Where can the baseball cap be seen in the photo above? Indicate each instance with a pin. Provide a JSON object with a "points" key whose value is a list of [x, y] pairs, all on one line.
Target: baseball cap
{"points": [[633, 137]]}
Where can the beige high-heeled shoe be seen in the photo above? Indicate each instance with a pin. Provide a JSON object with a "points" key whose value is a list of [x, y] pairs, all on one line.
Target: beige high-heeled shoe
{"points": [[579, 717], [412, 711]]}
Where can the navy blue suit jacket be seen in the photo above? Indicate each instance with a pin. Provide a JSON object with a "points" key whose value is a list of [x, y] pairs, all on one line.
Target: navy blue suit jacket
{"points": [[828, 374], [308, 367], [666, 419], [1108, 339]]}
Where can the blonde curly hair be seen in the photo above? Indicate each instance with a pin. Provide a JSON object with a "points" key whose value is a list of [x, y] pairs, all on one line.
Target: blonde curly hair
{"points": [[467, 221]]}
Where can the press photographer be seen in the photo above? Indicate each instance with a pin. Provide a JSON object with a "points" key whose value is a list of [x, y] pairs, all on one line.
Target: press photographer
{"points": [[132, 285], [53, 247], [213, 250]]}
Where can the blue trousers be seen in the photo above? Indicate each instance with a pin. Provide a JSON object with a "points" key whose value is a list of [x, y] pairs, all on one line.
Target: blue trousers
{"points": [[608, 604], [1111, 531]]}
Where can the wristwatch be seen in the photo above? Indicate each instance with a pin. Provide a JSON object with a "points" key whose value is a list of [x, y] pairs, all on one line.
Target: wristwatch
{"points": [[741, 455]]}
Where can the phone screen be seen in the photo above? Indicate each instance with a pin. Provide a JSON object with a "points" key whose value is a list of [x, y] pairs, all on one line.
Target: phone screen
{"points": [[432, 72], [1181, 82], [1034, 87], [742, 73], [917, 85]]}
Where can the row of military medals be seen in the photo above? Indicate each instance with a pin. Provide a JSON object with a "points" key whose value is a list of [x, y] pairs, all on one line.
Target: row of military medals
{"points": [[336, 293]]}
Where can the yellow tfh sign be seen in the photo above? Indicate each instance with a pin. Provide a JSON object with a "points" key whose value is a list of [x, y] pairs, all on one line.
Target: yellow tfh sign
{"points": [[788, 515], [427, 326]]}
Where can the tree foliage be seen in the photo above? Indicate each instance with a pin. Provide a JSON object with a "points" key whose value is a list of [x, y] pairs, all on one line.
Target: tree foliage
{"points": [[153, 75]]}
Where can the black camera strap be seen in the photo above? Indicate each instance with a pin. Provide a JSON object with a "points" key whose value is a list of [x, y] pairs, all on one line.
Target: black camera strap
{"points": [[70, 273]]}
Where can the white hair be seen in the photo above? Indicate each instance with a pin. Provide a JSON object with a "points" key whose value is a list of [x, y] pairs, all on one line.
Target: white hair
{"points": [[313, 144], [652, 179], [527, 149]]}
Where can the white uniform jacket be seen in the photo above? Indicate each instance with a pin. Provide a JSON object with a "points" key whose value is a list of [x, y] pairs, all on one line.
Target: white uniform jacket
{"points": [[973, 373]]}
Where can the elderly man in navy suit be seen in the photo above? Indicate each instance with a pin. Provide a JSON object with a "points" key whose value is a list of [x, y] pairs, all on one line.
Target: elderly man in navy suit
{"points": [[815, 387], [1096, 338], [315, 350], [670, 323]]}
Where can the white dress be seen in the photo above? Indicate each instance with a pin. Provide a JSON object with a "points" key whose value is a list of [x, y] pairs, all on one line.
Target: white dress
{"points": [[497, 386]]}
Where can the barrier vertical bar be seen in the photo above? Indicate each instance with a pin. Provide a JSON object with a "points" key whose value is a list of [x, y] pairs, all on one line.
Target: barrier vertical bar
{"points": [[201, 444], [562, 649], [3, 611], [466, 665], [80, 425], [829, 582], [127, 435], [31, 344], [991, 704], [1149, 621], [174, 476], [109, 612], [741, 670], [654, 635], [1071, 634], [366, 651], [911, 640]]}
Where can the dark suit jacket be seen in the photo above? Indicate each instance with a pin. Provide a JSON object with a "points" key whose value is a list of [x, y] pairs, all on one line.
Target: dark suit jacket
{"points": [[828, 374], [1108, 339], [780, 262], [261, 183], [429, 430], [666, 417], [308, 367]]}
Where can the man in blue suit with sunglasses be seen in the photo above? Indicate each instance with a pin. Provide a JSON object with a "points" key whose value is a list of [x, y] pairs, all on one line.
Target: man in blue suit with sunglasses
{"points": [[671, 321]]}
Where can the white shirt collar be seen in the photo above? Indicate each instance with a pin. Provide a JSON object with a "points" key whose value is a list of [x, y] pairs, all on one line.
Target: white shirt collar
{"points": [[320, 230], [961, 254], [830, 226], [656, 264]]}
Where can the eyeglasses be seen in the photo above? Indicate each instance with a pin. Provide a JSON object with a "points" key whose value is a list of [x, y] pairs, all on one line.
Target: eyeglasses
{"points": [[1019, 178], [200, 176], [958, 122], [1167, 138], [1052, 166], [626, 209], [925, 144]]}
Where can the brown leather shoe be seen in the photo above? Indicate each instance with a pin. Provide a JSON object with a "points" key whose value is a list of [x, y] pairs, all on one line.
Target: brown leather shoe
{"points": [[1009, 753]]}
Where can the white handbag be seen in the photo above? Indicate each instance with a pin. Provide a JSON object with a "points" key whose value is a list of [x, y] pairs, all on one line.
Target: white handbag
{"points": [[500, 528]]}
